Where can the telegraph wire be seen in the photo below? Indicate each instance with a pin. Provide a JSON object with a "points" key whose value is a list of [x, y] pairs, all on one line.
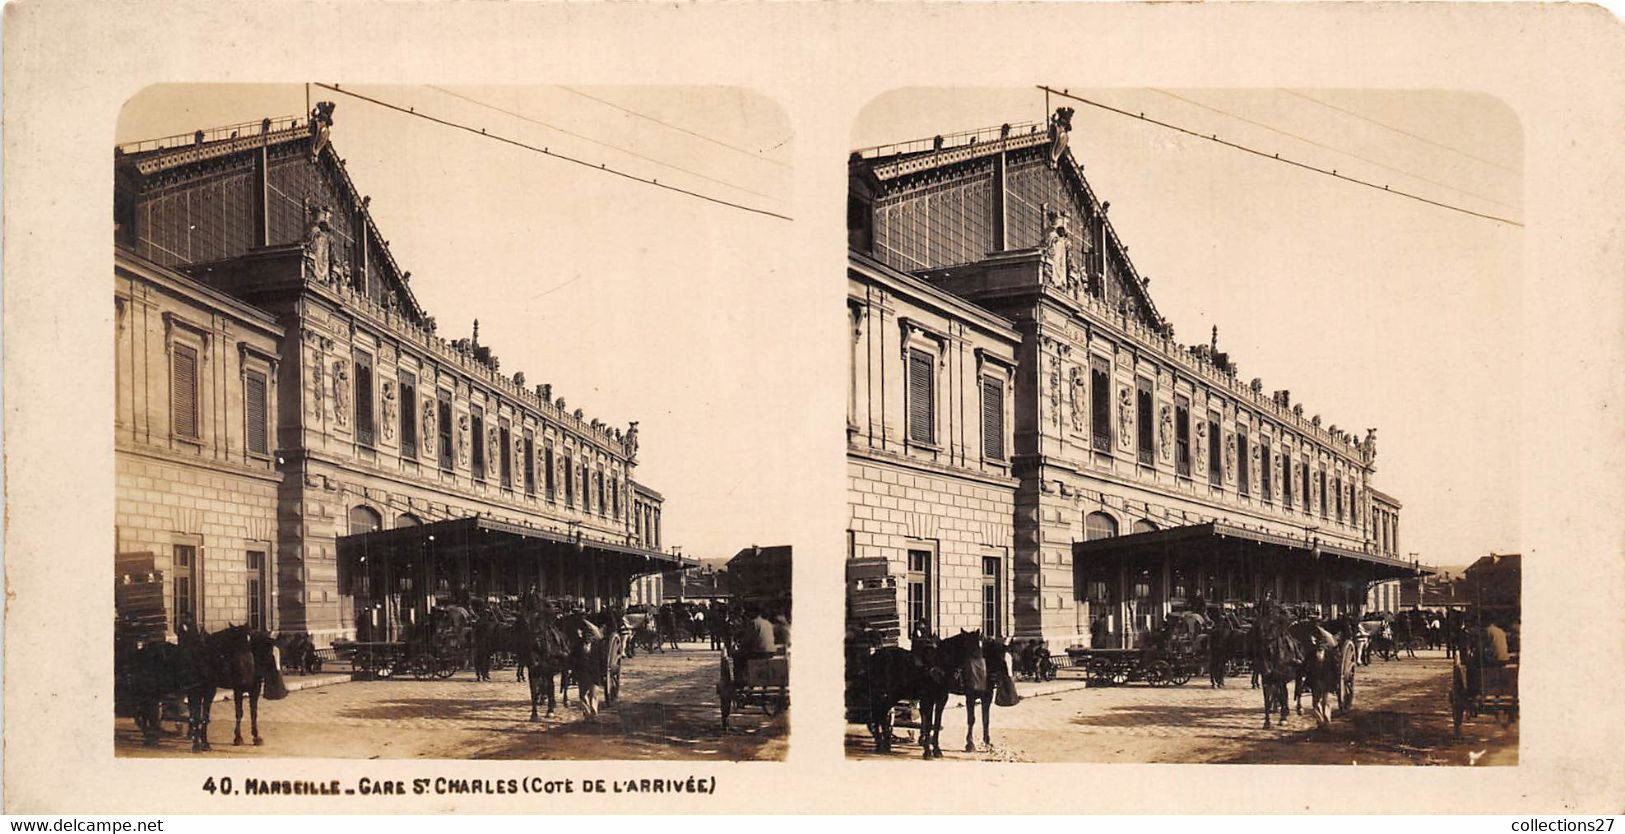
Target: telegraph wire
{"points": [[1401, 131], [551, 153], [1333, 149], [752, 154], [1277, 157], [599, 142]]}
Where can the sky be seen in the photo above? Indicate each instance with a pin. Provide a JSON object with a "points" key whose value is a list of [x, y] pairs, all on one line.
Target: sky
{"points": [[1372, 309], [635, 303]]}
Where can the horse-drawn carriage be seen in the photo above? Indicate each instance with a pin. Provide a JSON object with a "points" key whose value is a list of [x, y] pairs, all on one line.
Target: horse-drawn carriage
{"points": [[1155, 666], [753, 681], [440, 651], [1484, 675]]}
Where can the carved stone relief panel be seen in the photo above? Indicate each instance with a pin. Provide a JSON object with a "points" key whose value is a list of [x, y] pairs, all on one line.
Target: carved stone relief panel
{"points": [[1077, 396], [341, 391], [1166, 433], [1125, 417]]}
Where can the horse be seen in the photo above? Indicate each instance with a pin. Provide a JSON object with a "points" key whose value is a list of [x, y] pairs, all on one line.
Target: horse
{"points": [[1227, 640], [926, 674], [587, 663], [978, 681], [233, 658], [1280, 659], [545, 652], [491, 635]]}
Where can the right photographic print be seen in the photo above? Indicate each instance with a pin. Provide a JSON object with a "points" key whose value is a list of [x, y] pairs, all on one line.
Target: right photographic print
{"points": [[1100, 518]]}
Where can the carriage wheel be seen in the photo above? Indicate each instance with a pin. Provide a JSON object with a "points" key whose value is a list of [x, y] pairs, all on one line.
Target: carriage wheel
{"points": [[1345, 690], [771, 704], [444, 669], [1158, 673], [423, 667], [383, 668], [1182, 675]]}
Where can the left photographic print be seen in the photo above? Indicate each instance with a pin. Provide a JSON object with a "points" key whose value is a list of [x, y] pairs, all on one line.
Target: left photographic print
{"points": [[345, 527]]}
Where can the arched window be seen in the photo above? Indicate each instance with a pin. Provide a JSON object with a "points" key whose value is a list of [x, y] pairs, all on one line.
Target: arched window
{"points": [[1099, 526], [364, 519], [408, 520], [1145, 526]]}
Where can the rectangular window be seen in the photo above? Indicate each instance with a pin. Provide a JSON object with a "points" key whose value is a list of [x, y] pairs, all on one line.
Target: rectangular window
{"points": [[547, 473], [257, 436], [477, 417], [185, 573], [992, 596], [1286, 478], [363, 399], [992, 418], [1337, 489], [603, 505], [1305, 485], [530, 463], [1182, 436], [1100, 399], [615, 496], [1143, 425], [922, 411], [586, 489], [256, 590], [505, 453], [569, 481], [1323, 500], [409, 415], [183, 399], [918, 606], [446, 457], [1215, 454], [1264, 464], [1243, 479]]}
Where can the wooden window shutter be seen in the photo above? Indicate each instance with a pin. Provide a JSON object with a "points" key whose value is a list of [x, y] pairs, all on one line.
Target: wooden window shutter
{"points": [[992, 419], [921, 397], [183, 392], [255, 406]]}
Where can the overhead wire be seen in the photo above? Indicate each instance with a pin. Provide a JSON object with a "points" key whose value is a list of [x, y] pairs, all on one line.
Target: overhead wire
{"points": [[1399, 130], [1306, 140], [1277, 157], [603, 167], [599, 142], [629, 111]]}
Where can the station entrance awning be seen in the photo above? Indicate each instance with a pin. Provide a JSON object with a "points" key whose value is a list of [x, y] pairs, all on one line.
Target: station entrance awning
{"points": [[1218, 536]]}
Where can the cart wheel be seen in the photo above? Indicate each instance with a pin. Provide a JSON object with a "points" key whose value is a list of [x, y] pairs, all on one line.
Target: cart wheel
{"points": [[444, 669], [1182, 675], [771, 705], [384, 670], [423, 667], [1158, 673]]}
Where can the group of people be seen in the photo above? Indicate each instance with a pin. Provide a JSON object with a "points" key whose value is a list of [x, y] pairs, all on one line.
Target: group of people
{"points": [[749, 627]]}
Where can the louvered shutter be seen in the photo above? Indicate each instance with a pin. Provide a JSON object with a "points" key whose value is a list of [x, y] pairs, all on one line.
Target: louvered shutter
{"points": [[921, 397], [992, 419], [183, 392], [254, 405]]}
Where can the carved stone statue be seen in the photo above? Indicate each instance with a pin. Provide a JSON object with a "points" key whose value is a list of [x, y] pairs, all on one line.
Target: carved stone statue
{"points": [[1077, 396], [427, 441], [1229, 456], [462, 439], [1201, 439], [1060, 132], [1125, 417], [389, 409], [318, 242], [1055, 389], [1369, 446], [341, 388], [1056, 238], [493, 443], [631, 441], [1166, 419], [316, 385]]}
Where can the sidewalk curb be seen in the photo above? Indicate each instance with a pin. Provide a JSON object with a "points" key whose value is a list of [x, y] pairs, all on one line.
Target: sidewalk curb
{"points": [[307, 682]]}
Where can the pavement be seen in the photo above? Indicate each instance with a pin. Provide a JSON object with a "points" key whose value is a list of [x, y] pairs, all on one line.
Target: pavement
{"points": [[668, 710], [1401, 715]]}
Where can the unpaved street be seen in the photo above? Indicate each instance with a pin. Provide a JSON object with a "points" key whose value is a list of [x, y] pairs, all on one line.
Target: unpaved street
{"points": [[667, 710], [1401, 716]]}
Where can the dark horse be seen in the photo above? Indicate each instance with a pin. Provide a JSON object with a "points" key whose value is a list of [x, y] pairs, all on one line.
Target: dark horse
{"points": [[1296, 651], [544, 650], [233, 658], [491, 635], [924, 675], [994, 672], [1227, 640]]}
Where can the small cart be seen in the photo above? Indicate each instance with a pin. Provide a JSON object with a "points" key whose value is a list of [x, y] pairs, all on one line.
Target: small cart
{"points": [[755, 681]]}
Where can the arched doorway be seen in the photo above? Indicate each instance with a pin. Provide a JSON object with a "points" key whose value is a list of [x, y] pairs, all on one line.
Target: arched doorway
{"points": [[1101, 594], [369, 581]]}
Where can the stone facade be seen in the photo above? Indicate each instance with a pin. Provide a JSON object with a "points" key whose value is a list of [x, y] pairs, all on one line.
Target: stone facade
{"points": [[378, 422], [189, 489], [931, 492], [1118, 428]]}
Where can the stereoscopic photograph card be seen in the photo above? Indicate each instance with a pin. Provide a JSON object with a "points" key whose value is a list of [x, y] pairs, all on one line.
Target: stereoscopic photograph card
{"points": [[461, 433]]}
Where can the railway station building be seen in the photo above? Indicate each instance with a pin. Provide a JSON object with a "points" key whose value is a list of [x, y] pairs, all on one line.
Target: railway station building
{"points": [[1131, 472], [298, 446]]}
